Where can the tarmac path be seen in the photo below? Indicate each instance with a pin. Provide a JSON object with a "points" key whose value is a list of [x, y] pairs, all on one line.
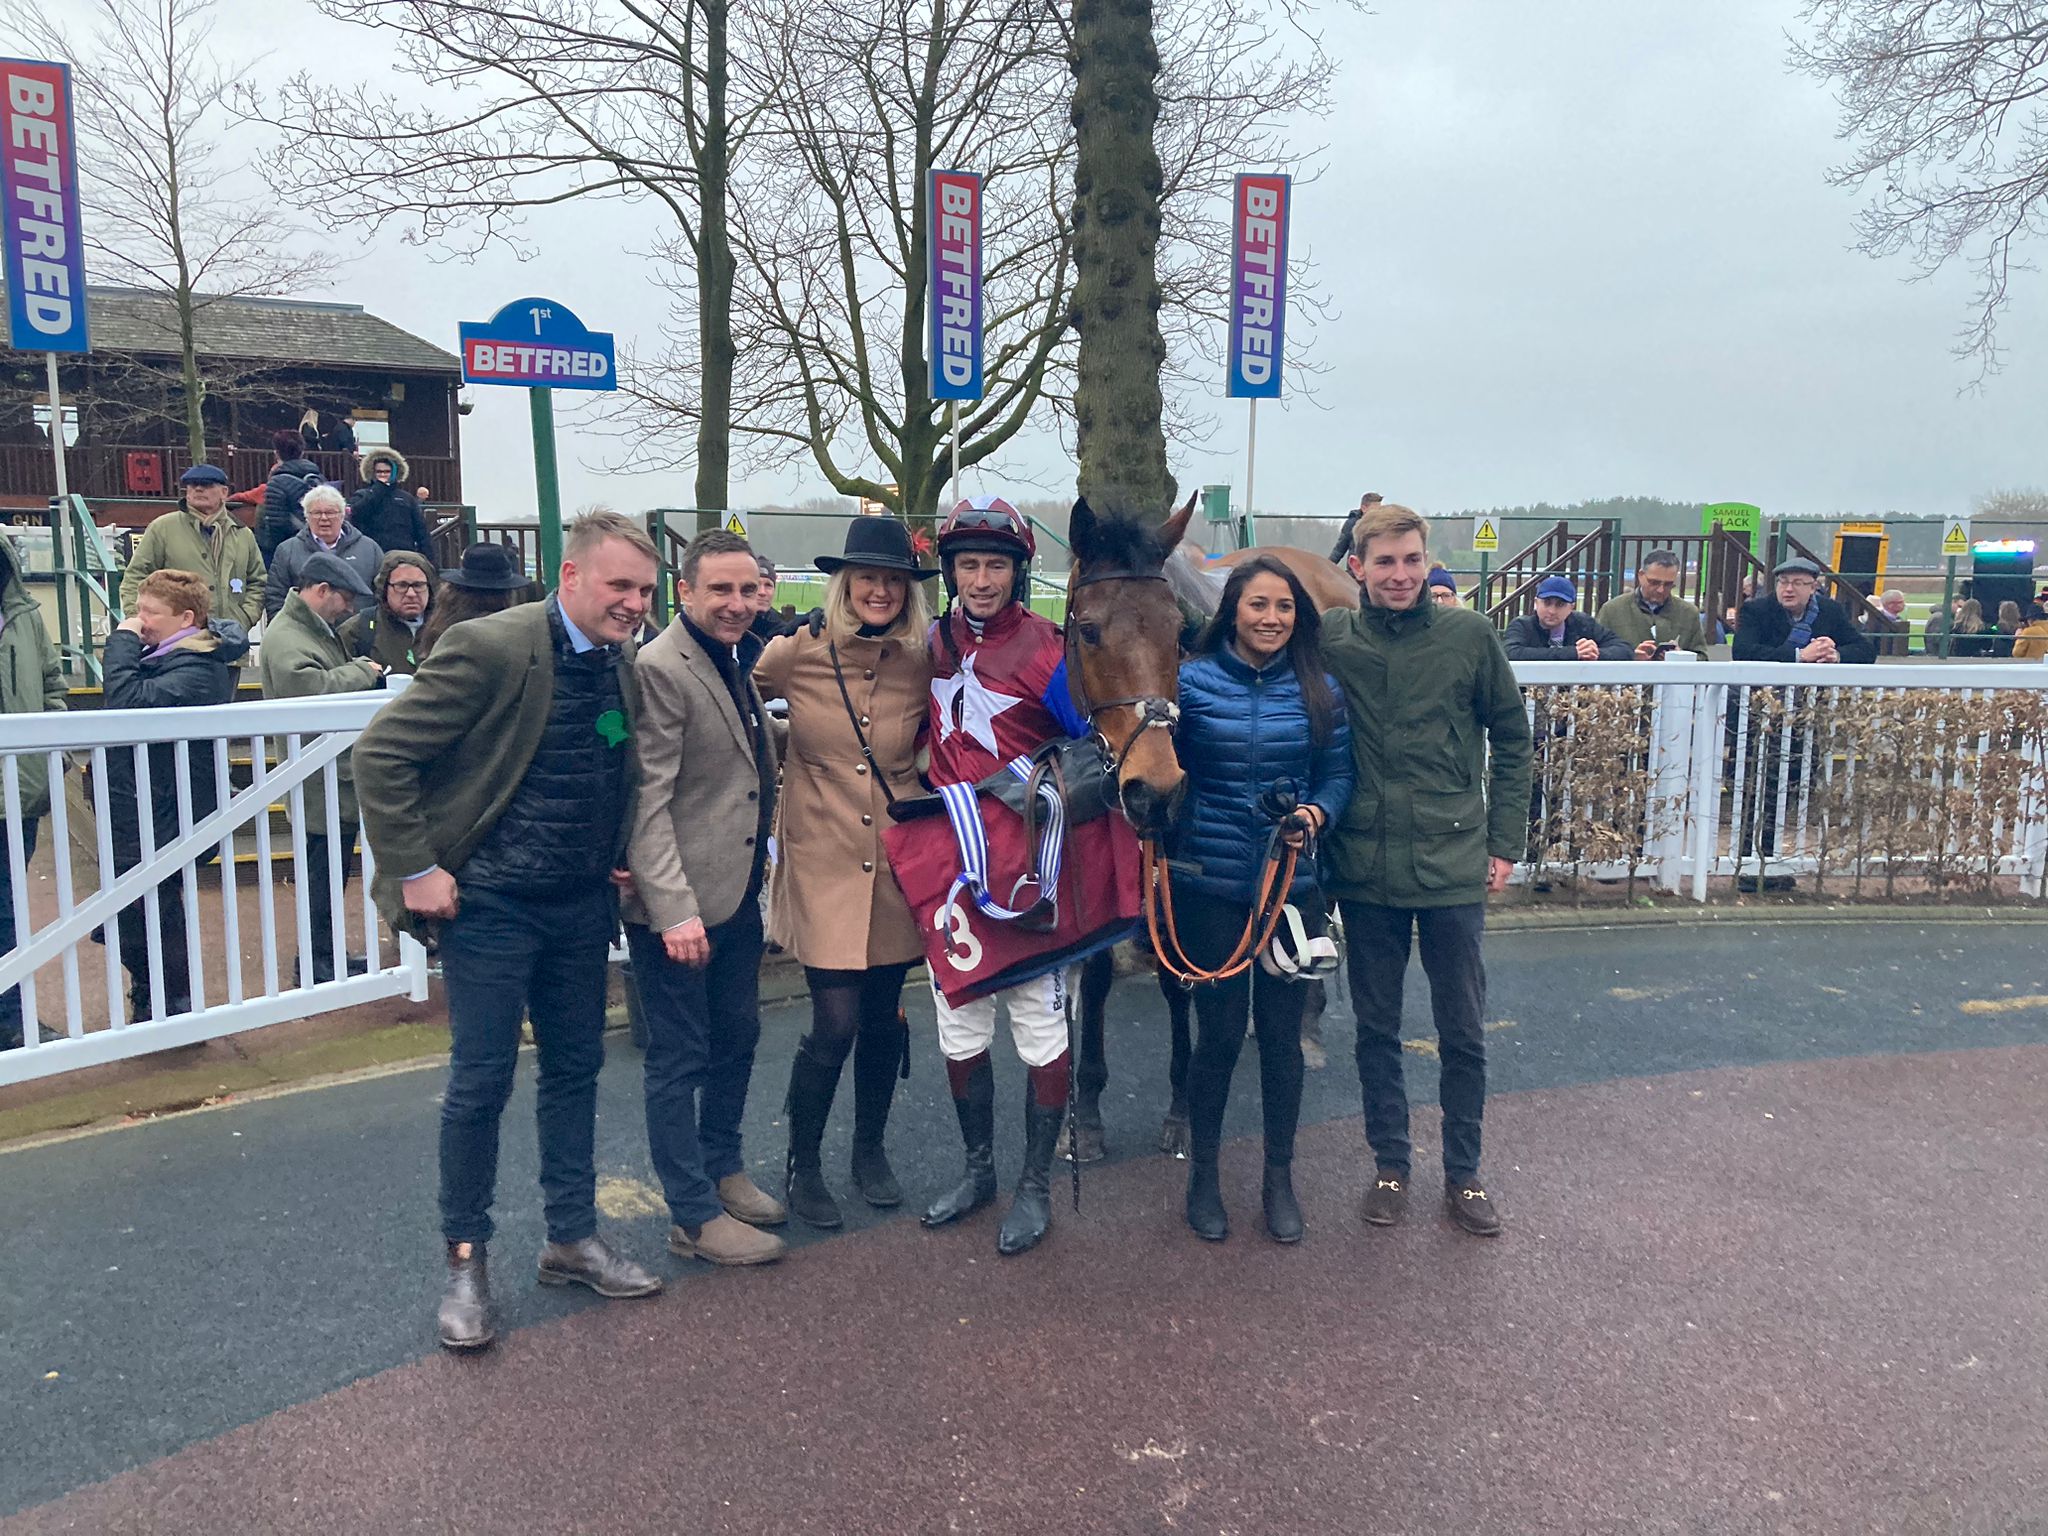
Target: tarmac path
{"points": [[1773, 1263]]}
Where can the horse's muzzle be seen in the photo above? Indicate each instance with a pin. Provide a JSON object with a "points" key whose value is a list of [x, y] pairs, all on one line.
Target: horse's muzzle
{"points": [[1149, 810]]}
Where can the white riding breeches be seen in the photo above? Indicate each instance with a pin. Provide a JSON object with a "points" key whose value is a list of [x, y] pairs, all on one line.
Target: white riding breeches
{"points": [[1038, 1021]]}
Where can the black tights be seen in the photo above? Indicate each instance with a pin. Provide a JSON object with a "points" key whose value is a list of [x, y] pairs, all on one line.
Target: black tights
{"points": [[1209, 927], [858, 1012]]}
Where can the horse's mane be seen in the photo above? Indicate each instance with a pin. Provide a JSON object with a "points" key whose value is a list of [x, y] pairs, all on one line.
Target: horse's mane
{"points": [[1124, 544]]}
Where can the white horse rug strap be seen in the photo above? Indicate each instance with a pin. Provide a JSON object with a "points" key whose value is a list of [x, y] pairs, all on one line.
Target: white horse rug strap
{"points": [[1296, 956], [963, 811]]}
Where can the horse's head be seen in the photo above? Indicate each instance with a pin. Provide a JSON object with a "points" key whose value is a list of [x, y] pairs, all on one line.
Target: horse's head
{"points": [[1123, 652]]}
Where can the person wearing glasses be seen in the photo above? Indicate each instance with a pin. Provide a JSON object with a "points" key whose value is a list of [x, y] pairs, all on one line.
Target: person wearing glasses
{"points": [[389, 633]]}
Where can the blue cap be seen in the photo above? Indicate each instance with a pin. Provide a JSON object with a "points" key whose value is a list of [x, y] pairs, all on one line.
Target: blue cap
{"points": [[1558, 586], [204, 474]]}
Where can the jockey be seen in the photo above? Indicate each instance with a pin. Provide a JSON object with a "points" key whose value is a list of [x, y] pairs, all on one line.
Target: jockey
{"points": [[999, 691]]}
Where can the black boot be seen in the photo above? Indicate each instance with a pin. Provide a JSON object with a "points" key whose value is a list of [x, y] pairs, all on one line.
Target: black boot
{"points": [[1283, 1212], [1030, 1214], [877, 1054], [974, 1101], [465, 1317], [1205, 1199], [813, 1080]]}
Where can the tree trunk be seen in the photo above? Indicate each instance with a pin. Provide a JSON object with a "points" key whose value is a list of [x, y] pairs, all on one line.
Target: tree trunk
{"points": [[195, 387], [717, 352], [1118, 408]]}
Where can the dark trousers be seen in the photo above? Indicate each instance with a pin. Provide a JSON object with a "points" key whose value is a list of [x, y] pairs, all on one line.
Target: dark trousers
{"points": [[1377, 943], [133, 926], [504, 958], [702, 1027], [1209, 928], [320, 901], [10, 1000]]}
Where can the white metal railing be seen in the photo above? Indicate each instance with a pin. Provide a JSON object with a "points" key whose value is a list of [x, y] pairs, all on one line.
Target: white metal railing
{"points": [[306, 737], [1928, 778]]}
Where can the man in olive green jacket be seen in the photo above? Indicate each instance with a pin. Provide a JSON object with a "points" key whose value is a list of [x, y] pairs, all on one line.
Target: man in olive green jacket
{"points": [[1436, 823], [203, 536], [31, 681], [1652, 618]]}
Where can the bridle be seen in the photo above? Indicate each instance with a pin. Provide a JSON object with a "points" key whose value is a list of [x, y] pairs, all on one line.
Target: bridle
{"points": [[1155, 712]]}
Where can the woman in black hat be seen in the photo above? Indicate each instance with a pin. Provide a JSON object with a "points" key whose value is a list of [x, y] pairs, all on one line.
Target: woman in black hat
{"points": [[857, 679], [491, 577]]}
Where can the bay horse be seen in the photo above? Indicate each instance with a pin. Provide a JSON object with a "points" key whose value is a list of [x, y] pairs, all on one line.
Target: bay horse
{"points": [[1123, 645]]}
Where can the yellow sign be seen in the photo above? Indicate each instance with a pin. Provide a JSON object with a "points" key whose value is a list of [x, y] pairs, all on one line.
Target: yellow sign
{"points": [[734, 523], [1485, 536], [1955, 537]]}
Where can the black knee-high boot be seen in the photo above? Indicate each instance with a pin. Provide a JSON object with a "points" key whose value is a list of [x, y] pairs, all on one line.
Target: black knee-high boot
{"points": [[813, 1080], [974, 1101], [877, 1057], [1045, 1110]]}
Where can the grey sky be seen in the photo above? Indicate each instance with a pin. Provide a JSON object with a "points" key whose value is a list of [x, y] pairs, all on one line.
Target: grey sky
{"points": [[1576, 251]]}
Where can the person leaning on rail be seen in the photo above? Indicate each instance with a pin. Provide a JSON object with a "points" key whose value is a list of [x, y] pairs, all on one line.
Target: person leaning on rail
{"points": [[857, 679], [1557, 631], [1258, 717], [497, 793], [1651, 617], [1795, 621]]}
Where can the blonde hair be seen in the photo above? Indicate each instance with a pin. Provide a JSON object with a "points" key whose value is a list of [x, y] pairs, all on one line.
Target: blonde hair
{"points": [[912, 625], [1386, 519], [598, 524]]}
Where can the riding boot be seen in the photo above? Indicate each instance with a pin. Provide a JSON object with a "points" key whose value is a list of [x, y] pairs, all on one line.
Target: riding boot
{"points": [[1045, 1111], [1283, 1211], [877, 1054], [813, 1080], [1206, 1214], [974, 1101]]}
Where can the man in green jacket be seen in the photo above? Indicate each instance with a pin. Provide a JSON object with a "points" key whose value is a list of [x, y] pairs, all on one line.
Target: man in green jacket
{"points": [[1436, 823], [31, 681], [1652, 619], [303, 657], [203, 536]]}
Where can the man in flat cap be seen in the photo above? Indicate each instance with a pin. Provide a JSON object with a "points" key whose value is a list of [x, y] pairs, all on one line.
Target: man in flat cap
{"points": [[202, 536], [1796, 621]]}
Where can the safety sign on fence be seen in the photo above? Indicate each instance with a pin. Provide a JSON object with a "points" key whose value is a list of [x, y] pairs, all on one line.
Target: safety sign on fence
{"points": [[1955, 538], [1485, 536]]}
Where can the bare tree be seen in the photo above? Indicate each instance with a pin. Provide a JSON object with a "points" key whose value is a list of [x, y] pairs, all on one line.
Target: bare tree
{"points": [[832, 236], [163, 209], [532, 103], [2013, 504], [1945, 106]]}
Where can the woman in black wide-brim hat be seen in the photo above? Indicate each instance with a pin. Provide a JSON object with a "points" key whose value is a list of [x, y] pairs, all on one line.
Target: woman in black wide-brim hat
{"points": [[856, 678], [489, 578]]}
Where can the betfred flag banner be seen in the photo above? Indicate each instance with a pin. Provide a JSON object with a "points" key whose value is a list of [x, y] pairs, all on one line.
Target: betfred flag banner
{"points": [[45, 261], [1258, 286], [955, 285]]}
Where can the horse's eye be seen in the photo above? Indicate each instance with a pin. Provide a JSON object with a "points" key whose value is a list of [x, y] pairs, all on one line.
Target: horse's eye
{"points": [[1091, 634]]}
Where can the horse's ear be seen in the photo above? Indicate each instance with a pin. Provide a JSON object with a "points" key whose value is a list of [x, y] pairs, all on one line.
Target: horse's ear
{"points": [[1081, 528], [1171, 531]]}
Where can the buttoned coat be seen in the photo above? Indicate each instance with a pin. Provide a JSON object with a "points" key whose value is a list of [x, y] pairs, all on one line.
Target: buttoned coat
{"points": [[835, 903], [694, 835]]}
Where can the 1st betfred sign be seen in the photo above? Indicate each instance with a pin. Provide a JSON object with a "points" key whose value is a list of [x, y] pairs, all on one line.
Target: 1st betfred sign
{"points": [[537, 344]]}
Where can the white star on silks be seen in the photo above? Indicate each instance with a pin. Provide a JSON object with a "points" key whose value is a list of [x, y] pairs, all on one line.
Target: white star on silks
{"points": [[977, 706]]}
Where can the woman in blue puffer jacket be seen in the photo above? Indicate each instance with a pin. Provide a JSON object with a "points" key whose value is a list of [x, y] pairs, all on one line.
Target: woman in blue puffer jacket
{"points": [[1256, 711]]}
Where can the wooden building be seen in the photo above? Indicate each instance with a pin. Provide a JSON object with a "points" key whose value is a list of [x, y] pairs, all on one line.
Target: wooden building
{"points": [[263, 364]]}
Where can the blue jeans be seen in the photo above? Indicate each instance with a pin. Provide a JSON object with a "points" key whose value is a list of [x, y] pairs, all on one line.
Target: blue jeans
{"points": [[10, 1000], [702, 1027], [503, 958], [1376, 942]]}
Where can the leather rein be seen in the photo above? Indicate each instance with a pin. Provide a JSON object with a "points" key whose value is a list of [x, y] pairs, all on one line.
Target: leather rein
{"points": [[1155, 876]]}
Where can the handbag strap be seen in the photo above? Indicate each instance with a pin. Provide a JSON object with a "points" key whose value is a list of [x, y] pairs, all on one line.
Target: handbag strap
{"points": [[853, 719]]}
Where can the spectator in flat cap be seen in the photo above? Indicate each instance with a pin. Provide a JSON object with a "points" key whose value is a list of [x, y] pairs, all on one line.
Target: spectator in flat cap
{"points": [[327, 530], [1443, 589], [1557, 631], [202, 536], [389, 634], [1796, 621], [303, 657]]}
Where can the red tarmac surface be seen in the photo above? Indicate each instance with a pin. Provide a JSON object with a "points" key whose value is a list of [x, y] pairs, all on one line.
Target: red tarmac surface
{"points": [[1805, 1298]]}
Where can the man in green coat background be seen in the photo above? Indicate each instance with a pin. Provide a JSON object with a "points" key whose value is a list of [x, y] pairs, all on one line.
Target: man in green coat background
{"points": [[303, 657], [1436, 823], [203, 536], [1652, 618], [31, 681]]}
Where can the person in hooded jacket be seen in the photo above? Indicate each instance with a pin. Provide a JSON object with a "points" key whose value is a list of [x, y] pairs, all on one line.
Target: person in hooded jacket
{"points": [[389, 634], [170, 654], [1258, 714], [293, 476], [384, 510], [31, 682]]}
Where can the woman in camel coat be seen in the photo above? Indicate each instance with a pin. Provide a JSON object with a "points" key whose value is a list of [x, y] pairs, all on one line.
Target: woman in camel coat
{"points": [[832, 899]]}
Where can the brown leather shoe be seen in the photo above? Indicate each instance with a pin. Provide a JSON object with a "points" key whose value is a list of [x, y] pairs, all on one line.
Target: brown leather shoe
{"points": [[744, 1200], [591, 1263], [466, 1304], [722, 1240]]}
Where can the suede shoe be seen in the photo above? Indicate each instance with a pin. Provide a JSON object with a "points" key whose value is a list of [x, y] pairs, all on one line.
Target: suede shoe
{"points": [[744, 1200], [1387, 1201], [1283, 1211], [1206, 1214], [591, 1262], [874, 1178], [1470, 1208], [724, 1240], [465, 1318], [811, 1199]]}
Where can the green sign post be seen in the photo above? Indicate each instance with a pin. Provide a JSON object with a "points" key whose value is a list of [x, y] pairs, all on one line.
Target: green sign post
{"points": [[547, 484], [1735, 516]]}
